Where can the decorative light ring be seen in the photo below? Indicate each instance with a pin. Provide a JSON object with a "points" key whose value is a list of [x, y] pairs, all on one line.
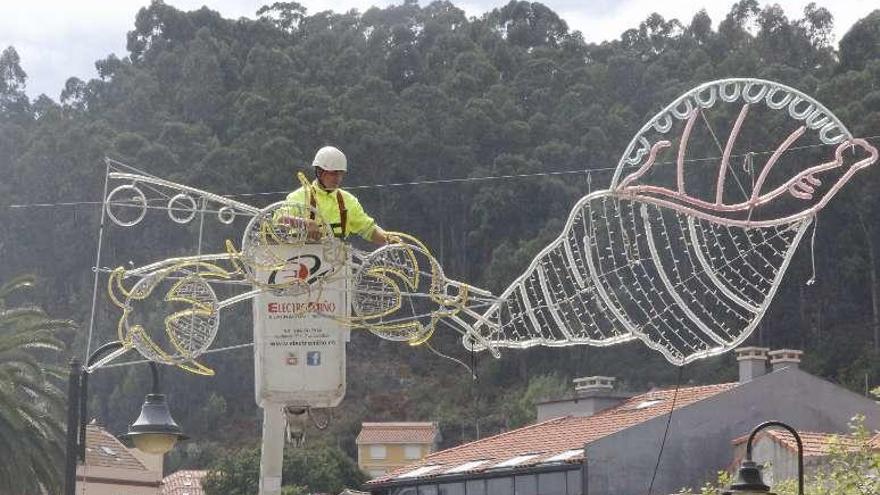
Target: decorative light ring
{"points": [[708, 102], [732, 96], [682, 115], [800, 114], [817, 119], [777, 104], [747, 95], [226, 215], [823, 134], [191, 208], [137, 197], [635, 157], [663, 124]]}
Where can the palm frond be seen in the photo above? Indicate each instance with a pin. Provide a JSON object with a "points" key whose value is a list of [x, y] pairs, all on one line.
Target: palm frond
{"points": [[31, 403], [16, 284]]}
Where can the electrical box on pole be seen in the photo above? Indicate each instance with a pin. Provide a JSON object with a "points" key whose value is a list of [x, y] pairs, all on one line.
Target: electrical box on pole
{"points": [[299, 348]]}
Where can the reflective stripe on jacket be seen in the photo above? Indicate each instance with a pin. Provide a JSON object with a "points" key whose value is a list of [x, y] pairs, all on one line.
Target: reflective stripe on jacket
{"points": [[327, 204]]}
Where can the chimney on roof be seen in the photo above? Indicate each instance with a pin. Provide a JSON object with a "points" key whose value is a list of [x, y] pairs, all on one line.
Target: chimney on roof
{"points": [[785, 358], [752, 362], [592, 394], [593, 385]]}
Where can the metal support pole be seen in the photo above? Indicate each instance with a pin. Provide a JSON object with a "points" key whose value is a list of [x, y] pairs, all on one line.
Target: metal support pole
{"points": [[83, 414], [73, 405], [585, 474], [272, 454], [154, 372]]}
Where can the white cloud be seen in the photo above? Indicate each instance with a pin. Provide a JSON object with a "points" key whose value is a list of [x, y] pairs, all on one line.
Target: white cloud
{"points": [[58, 39]]}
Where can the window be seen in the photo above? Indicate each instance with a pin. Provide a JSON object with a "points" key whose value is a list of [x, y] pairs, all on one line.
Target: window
{"points": [[647, 403], [412, 451], [514, 461], [551, 483], [526, 485], [378, 452], [427, 489], [475, 487], [499, 486], [564, 456], [450, 489], [467, 466], [573, 480], [419, 471]]}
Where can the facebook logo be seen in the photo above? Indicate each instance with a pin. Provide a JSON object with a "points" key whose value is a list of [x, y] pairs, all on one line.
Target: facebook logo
{"points": [[313, 358]]}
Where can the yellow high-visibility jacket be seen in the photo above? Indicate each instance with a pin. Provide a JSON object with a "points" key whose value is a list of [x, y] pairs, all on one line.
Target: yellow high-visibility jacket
{"points": [[327, 204]]}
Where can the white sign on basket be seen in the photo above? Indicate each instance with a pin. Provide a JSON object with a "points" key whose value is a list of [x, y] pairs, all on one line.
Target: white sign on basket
{"points": [[299, 352]]}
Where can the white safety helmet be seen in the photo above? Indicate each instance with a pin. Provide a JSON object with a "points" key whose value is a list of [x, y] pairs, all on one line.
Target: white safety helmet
{"points": [[330, 158]]}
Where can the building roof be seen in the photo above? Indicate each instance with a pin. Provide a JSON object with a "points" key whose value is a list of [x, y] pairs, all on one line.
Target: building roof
{"points": [[816, 444], [398, 432], [184, 482], [105, 450], [558, 440]]}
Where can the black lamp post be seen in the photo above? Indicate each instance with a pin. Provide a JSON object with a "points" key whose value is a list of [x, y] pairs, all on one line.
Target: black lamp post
{"points": [[154, 432], [748, 479]]}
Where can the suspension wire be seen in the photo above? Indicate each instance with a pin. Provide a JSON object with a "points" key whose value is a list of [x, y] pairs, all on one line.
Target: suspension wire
{"points": [[585, 171], [812, 279], [96, 265], [446, 356], [666, 431], [209, 351]]}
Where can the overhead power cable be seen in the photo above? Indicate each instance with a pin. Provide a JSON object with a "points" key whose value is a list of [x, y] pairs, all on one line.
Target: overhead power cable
{"points": [[455, 180]]}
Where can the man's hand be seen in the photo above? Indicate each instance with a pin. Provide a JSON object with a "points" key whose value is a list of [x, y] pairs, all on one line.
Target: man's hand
{"points": [[381, 238], [312, 228]]}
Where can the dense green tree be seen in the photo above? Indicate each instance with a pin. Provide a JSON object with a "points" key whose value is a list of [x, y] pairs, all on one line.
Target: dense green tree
{"points": [[861, 44], [473, 111], [314, 469]]}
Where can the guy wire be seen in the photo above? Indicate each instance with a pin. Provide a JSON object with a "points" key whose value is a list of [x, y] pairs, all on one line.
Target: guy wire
{"points": [[666, 431]]}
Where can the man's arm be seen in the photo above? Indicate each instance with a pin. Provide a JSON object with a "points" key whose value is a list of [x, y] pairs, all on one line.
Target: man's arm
{"points": [[378, 236], [363, 224]]}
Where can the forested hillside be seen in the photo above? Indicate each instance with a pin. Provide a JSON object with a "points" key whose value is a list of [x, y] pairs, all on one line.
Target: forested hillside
{"points": [[416, 96]]}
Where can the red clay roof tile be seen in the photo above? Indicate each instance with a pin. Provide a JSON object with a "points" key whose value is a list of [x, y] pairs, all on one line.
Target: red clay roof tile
{"points": [[397, 432], [554, 436], [184, 482], [815, 444], [105, 450]]}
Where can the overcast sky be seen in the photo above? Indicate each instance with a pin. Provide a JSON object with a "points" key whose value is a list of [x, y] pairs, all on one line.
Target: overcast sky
{"points": [[57, 39]]}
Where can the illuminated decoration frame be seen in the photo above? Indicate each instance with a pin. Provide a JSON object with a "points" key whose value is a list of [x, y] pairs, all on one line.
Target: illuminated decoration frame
{"points": [[399, 291], [649, 258], [691, 277]]}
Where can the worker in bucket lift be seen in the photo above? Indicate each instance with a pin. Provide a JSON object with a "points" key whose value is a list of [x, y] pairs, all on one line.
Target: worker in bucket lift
{"points": [[339, 208]]}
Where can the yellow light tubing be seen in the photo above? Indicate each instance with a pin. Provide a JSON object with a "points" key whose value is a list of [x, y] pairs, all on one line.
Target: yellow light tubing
{"points": [[188, 332]]}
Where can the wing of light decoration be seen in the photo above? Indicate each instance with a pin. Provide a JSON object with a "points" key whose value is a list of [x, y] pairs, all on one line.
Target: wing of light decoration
{"points": [[688, 246]]}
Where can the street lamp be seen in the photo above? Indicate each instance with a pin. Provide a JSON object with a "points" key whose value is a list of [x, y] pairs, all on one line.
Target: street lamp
{"points": [[153, 432], [748, 479]]}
